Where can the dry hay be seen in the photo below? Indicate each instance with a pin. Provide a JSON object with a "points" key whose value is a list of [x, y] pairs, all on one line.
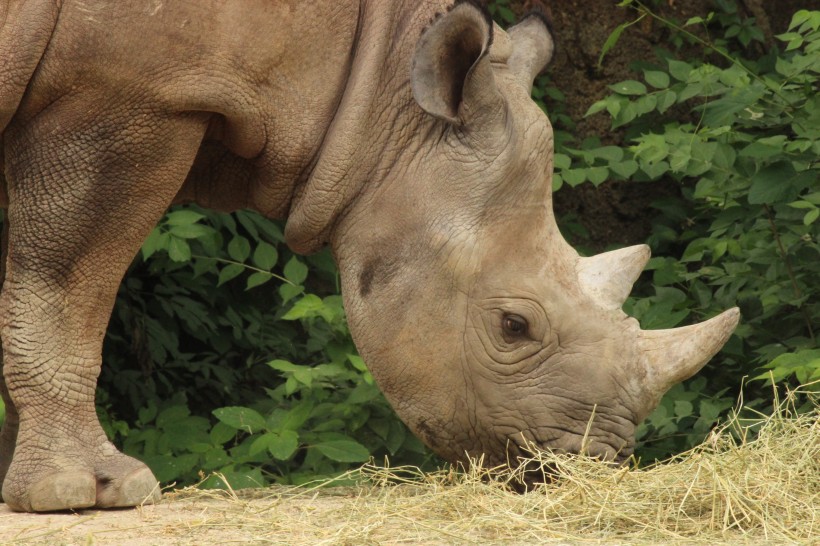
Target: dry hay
{"points": [[730, 489], [734, 488]]}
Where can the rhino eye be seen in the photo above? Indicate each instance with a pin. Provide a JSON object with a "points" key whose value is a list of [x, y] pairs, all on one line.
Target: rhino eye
{"points": [[514, 326]]}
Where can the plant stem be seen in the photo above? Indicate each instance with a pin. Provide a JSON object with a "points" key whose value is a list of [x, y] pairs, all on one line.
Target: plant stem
{"points": [[246, 266], [797, 292]]}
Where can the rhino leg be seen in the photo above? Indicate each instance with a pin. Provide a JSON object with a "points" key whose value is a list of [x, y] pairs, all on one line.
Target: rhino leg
{"points": [[85, 189], [8, 432]]}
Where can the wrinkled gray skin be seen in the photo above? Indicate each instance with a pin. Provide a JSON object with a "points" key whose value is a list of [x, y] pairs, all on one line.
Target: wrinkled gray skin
{"points": [[412, 148]]}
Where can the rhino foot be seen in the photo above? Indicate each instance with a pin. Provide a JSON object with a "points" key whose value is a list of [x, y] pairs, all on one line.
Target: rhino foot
{"points": [[60, 491], [138, 487], [115, 482]]}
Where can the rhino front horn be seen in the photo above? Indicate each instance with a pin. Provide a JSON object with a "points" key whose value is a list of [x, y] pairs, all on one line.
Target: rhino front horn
{"points": [[671, 356]]}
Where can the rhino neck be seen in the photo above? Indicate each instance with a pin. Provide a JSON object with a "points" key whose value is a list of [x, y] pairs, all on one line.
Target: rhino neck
{"points": [[360, 142]]}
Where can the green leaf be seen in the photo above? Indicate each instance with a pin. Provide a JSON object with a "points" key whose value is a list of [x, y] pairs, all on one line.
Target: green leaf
{"points": [[764, 148], [665, 100], [775, 183], [683, 408], [802, 205], [283, 444], [811, 217], [598, 175], [260, 444], [343, 451], [625, 169], [258, 278], [239, 248], [395, 437], [741, 102], [612, 39], [289, 291], [679, 69], [265, 256], [151, 244], [691, 90], [179, 250], [363, 393], [357, 362], [183, 217], [147, 413], [240, 418], [297, 416], [680, 157], [573, 177], [295, 271], [610, 153], [597, 106], [190, 231], [171, 415], [561, 161], [627, 114], [656, 78], [222, 433], [654, 169], [243, 477], [308, 306], [806, 20], [792, 363], [646, 104], [302, 374], [229, 272], [629, 87]]}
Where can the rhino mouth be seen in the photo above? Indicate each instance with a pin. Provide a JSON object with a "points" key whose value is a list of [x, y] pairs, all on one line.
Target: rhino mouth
{"points": [[533, 464]]}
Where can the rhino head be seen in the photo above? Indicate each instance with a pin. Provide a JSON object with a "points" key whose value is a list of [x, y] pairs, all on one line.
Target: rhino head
{"points": [[485, 329]]}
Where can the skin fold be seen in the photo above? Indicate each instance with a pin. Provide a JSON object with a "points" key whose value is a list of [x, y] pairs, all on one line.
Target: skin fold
{"points": [[400, 133]]}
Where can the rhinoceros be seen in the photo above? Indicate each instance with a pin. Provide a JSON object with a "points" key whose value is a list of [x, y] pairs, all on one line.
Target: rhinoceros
{"points": [[400, 133]]}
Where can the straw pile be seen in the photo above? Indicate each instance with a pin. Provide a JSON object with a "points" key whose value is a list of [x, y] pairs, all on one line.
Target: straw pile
{"points": [[730, 489]]}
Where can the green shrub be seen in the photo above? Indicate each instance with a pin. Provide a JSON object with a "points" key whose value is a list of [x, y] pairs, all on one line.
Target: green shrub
{"points": [[189, 360], [742, 137]]}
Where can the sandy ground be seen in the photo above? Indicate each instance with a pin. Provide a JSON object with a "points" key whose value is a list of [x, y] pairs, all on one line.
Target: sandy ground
{"points": [[279, 517]]}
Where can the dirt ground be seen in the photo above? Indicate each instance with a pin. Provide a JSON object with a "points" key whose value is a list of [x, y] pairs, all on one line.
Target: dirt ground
{"points": [[272, 516], [278, 515]]}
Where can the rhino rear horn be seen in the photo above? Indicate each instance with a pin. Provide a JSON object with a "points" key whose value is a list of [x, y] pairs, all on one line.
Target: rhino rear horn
{"points": [[671, 356], [608, 278], [533, 48], [451, 75]]}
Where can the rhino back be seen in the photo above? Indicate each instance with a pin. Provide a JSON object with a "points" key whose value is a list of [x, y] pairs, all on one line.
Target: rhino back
{"points": [[269, 73]]}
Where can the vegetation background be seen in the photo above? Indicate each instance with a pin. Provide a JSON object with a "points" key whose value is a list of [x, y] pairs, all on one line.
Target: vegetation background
{"points": [[691, 126]]}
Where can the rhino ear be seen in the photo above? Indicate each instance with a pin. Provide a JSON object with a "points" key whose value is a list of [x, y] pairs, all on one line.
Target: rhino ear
{"points": [[532, 48], [451, 75]]}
